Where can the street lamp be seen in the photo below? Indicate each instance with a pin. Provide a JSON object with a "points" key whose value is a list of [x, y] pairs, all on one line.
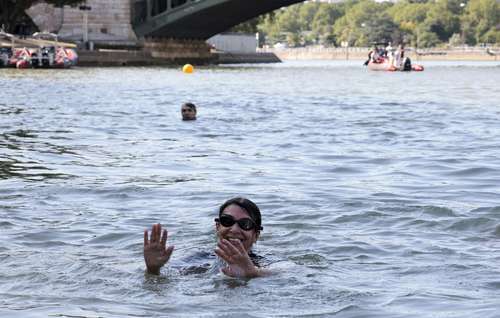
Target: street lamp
{"points": [[85, 9]]}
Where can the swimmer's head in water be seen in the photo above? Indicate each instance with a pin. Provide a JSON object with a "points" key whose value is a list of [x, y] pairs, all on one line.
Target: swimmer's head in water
{"points": [[188, 111], [251, 208], [239, 219]]}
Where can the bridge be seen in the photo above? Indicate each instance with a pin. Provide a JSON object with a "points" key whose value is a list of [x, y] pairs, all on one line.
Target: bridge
{"points": [[196, 19]]}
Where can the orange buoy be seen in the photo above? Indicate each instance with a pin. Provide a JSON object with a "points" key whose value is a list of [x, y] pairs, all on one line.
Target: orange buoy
{"points": [[188, 69]]}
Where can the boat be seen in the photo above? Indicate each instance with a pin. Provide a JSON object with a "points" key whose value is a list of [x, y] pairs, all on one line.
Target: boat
{"points": [[384, 64], [51, 53], [6, 49], [43, 50]]}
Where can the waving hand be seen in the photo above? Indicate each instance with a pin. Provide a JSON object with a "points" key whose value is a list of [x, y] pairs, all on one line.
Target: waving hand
{"points": [[156, 252], [238, 262]]}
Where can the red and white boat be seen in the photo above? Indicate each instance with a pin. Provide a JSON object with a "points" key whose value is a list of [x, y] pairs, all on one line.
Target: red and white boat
{"points": [[6, 49], [384, 64], [41, 51]]}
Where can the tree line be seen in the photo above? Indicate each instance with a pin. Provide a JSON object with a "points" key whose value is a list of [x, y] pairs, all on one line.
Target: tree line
{"points": [[420, 23]]}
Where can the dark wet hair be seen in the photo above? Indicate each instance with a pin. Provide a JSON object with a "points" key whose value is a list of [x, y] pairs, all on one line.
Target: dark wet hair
{"points": [[190, 105], [247, 205]]}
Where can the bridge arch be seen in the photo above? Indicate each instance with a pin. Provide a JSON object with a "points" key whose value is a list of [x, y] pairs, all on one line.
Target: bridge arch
{"points": [[196, 19]]}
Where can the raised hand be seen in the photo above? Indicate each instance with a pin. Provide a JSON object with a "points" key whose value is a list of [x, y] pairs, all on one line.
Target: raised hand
{"points": [[238, 262], [156, 252]]}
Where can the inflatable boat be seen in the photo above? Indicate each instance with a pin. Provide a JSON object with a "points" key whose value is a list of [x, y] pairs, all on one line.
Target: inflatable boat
{"points": [[384, 64], [43, 50]]}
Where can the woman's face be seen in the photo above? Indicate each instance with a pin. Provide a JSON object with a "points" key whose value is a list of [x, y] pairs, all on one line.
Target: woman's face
{"points": [[234, 232]]}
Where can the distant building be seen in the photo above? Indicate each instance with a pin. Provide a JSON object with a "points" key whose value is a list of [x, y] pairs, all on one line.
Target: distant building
{"points": [[234, 42]]}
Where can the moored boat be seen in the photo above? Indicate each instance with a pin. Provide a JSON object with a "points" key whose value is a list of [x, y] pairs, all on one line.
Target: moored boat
{"points": [[51, 53], [41, 51], [5, 55], [6, 49]]}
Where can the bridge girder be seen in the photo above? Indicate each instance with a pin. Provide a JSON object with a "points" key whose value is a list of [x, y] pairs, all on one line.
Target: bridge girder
{"points": [[202, 19]]}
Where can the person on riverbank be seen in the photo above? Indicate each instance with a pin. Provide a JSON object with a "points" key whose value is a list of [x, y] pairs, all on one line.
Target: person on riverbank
{"points": [[238, 227], [188, 111]]}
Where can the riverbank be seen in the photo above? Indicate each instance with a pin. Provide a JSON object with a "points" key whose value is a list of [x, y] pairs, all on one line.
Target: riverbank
{"points": [[357, 53]]}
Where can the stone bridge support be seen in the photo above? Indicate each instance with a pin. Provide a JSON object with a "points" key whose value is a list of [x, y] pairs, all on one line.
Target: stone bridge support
{"points": [[108, 21]]}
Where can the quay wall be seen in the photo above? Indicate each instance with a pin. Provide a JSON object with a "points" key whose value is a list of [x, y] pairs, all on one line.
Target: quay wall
{"points": [[178, 49]]}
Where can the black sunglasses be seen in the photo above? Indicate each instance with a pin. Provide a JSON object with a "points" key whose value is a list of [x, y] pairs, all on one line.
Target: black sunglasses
{"points": [[245, 224]]}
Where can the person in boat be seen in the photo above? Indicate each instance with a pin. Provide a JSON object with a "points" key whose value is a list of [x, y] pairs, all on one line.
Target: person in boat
{"points": [[398, 56], [388, 48], [188, 111], [374, 55], [238, 227], [389, 53]]}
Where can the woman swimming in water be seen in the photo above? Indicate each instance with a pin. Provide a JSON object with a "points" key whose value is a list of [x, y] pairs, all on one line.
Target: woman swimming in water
{"points": [[238, 228]]}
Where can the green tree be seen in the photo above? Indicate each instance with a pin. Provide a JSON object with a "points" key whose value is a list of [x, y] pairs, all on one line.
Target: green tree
{"points": [[293, 39], [250, 26], [288, 20], [423, 23], [455, 40], [426, 37], [323, 22], [443, 19], [365, 22], [409, 15], [481, 21], [269, 28], [285, 25], [306, 14], [13, 11]]}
